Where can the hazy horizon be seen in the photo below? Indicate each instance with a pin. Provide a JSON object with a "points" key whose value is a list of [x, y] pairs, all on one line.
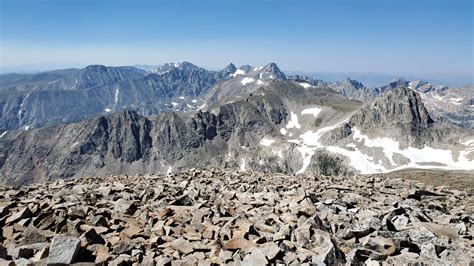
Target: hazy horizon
{"points": [[404, 38], [371, 79]]}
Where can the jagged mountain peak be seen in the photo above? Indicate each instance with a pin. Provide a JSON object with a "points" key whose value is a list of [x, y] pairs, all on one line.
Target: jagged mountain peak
{"points": [[353, 83], [183, 66], [187, 65], [268, 71], [398, 107], [273, 69], [229, 69], [311, 81], [400, 82], [245, 68], [125, 114]]}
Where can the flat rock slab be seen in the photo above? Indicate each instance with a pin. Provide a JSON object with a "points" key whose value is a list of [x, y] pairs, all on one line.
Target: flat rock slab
{"points": [[63, 250]]}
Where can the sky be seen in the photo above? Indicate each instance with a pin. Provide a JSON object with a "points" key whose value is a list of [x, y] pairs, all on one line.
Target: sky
{"points": [[411, 37]]}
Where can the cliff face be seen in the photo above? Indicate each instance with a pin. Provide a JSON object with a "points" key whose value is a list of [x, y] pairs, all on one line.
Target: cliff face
{"points": [[284, 126]]}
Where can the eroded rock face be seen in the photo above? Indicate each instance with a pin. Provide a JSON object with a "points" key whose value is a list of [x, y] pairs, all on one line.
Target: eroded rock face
{"points": [[216, 217]]}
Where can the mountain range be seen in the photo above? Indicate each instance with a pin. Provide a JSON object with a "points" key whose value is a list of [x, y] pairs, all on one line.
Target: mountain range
{"points": [[167, 118]]}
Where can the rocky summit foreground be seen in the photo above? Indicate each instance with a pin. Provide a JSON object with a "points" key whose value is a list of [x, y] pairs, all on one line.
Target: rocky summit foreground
{"points": [[206, 217]]}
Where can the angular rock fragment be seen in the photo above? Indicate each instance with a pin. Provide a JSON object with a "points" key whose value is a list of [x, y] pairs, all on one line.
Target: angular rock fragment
{"points": [[63, 249], [92, 237], [181, 245], [3, 252], [24, 213], [125, 207], [218, 217]]}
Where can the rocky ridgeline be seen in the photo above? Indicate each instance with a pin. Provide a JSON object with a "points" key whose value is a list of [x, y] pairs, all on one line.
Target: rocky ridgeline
{"points": [[212, 217]]}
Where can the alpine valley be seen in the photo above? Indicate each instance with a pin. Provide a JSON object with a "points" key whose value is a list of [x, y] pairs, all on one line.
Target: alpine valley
{"points": [[102, 121]]}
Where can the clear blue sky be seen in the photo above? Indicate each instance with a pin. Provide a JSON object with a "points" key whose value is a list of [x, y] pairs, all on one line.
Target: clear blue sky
{"points": [[407, 36]]}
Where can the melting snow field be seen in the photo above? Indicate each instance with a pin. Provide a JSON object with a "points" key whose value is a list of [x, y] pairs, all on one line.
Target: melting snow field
{"points": [[424, 158]]}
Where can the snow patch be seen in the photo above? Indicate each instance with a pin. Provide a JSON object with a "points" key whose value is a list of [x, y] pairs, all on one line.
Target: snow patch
{"points": [[468, 142], [305, 84], [296, 141], [280, 154], [238, 72], [311, 111], [351, 145], [389, 145], [438, 97], [74, 144], [266, 142], [426, 157], [107, 110], [242, 165], [174, 104], [247, 80], [311, 138], [283, 131], [116, 95], [456, 101], [181, 97], [309, 142], [3, 134], [420, 158], [307, 153], [293, 123], [194, 101], [358, 160]]}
